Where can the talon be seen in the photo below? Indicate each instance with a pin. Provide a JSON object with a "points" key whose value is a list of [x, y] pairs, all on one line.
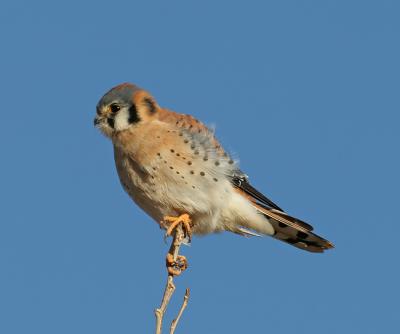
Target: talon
{"points": [[183, 219], [175, 268]]}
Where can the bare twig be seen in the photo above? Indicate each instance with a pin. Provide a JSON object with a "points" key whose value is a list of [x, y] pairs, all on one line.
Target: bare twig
{"points": [[169, 290], [175, 265], [184, 304]]}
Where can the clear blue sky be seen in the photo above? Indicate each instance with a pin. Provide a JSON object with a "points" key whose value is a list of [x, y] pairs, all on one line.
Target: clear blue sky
{"points": [[306, 93]]}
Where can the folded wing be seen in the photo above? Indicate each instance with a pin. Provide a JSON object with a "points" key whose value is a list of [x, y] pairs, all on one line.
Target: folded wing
{"points": [[287, 228]]}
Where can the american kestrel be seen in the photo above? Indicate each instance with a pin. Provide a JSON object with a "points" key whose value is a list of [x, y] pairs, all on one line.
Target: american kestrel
{"points": [[174, 168]]}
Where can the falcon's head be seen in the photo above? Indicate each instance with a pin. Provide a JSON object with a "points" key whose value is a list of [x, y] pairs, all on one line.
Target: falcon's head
{"points": [[123, 107]]}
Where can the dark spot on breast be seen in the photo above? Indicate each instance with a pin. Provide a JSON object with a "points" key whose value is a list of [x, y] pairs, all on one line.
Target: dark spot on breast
{"points": [[178, 155], [192, 146], [186, 141], [177, 172], [217, 163], [172, 151], [189, 163], [170, 167], [180, 134], [193, 187], [196, 152], [154, 168], [205, 158], [159, 154], [192, 172], [215, 179], [165, 161], [191, 126], [230, 162], [202, 173]]}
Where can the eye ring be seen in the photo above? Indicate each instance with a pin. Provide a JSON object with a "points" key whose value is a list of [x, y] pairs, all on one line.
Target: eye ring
{"points": [[114, 108]]}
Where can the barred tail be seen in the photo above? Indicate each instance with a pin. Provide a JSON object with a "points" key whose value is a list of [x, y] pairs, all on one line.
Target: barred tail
{"points": [[294, 231]]}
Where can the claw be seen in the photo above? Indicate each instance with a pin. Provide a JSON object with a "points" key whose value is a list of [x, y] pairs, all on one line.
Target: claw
{"points": [[173, 222]]}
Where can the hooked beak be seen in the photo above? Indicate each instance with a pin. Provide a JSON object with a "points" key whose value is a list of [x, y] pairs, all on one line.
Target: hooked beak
{"points": [[96, 121]]}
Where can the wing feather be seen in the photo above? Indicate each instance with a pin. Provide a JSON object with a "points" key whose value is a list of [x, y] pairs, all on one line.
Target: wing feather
{"points": [[287, 228]]}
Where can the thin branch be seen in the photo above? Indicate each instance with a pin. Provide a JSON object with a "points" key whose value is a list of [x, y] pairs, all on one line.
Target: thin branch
{"points": [[169, 290], [175, 265], [184, 304]]}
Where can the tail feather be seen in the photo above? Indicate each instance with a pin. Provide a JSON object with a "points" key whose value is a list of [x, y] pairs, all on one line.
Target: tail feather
{"points": [[294, 231]]}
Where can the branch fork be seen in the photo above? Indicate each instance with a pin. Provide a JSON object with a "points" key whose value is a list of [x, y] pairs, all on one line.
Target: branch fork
{"points": [[175, 264]]}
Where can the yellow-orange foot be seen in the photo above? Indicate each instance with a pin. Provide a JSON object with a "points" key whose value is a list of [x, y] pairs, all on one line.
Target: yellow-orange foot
{"points": [[175, 268], [172, 222]]}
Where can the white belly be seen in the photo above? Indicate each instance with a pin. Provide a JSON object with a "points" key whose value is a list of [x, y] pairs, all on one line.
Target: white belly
{"points": [[208, 197], [161, 191]]}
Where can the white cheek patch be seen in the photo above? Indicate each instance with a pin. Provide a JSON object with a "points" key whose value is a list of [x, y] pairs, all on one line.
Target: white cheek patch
{"points": [[121, 120]]}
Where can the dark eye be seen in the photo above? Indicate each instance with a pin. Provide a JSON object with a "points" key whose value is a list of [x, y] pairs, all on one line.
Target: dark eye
{"points": [[114, 108]]}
